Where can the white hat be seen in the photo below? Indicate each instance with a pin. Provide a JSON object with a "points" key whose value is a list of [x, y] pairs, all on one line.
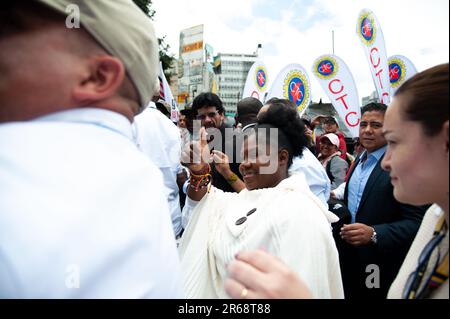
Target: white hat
{"points": [[333, 138]]}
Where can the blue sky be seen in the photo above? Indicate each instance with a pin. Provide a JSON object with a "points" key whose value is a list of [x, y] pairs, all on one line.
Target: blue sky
{"points": [[271, 8], [300, 18], [299, 31]]}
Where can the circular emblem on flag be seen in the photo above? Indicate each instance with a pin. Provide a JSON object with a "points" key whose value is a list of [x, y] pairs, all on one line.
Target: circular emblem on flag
{"points": [[325, 67], [367, 31], [397, 72], [261, 78], [296, 89]]}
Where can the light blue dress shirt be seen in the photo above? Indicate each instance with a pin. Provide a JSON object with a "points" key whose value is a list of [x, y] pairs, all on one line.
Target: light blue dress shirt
{"points": [[360, 176]]}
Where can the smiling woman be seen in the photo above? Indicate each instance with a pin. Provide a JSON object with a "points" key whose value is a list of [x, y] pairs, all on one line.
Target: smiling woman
{"points": [[275, 211], [268, 151]]}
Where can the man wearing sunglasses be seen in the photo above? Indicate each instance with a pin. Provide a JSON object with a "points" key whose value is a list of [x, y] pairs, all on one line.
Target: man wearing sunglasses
{"points": [[209, 110]]}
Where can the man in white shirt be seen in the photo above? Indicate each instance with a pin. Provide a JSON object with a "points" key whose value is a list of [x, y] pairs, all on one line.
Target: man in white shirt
{"points": [[315, 174], [159, 139], [82, 212]]}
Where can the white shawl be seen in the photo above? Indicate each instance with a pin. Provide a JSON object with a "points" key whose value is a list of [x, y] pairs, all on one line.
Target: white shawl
{"points": [[290, 223]]}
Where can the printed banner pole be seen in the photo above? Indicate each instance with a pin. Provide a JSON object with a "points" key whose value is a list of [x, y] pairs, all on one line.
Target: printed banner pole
{"points": [[400, 70], [166, 94], [257, 82], [292, 83], [338, 83], [372, 40]]}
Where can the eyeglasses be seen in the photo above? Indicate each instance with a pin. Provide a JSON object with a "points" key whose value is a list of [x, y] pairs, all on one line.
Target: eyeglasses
{"points": [[209, 114], [415, 285]]}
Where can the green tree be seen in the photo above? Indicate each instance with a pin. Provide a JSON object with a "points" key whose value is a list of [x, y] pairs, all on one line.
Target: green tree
{"points": [[165, 57], [145, 6]]}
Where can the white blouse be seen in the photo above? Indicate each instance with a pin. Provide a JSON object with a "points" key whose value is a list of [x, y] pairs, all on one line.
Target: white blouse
{"points": [[289, 222]]}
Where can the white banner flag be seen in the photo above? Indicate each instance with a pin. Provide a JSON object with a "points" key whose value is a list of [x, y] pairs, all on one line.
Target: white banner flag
{"points": [[166, 94], [400, 70], [257, 82], [371, 36], [337, 81], [293, 84]]}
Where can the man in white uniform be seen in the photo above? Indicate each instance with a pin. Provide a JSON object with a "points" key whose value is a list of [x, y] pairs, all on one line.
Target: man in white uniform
{"points": [[159, 139], [315, 174], [82, 212]]}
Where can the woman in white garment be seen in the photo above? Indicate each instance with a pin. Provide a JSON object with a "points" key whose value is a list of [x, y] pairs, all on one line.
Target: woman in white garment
{"points": [[275, 212], [416, 128]]}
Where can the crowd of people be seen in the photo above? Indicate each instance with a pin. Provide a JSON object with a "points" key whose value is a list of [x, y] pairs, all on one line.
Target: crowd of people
{"points": [[103, 196]]}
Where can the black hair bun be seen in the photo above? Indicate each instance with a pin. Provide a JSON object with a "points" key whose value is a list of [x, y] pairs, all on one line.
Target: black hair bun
{"points": [[283, 115]]}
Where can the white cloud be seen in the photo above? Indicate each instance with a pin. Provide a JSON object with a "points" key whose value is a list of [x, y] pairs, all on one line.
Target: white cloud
{"points": [[300, 31]]}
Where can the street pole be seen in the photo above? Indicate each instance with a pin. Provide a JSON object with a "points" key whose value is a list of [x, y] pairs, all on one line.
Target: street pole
{"points": [[332, 39]]}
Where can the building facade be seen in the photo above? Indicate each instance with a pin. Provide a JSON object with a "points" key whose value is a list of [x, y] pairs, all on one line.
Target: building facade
{"points": [[231, 74], [372, 98], [190, 65]]}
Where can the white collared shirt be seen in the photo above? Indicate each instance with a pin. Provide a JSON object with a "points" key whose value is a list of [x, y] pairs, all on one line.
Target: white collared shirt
{"points": [[82, 212], [315, 174]]}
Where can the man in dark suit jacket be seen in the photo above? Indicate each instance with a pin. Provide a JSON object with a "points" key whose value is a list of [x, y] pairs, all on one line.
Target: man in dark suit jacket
{"points": [[373, 247]]}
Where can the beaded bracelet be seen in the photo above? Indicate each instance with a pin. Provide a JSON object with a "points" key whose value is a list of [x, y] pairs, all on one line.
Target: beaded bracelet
{"points": [[201, 184], [202, 181], [201, 173], [232, 179]]}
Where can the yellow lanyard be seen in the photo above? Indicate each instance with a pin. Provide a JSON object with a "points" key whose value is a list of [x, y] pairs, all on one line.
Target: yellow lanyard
{"points": [[440, 272], [440, 275]]}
